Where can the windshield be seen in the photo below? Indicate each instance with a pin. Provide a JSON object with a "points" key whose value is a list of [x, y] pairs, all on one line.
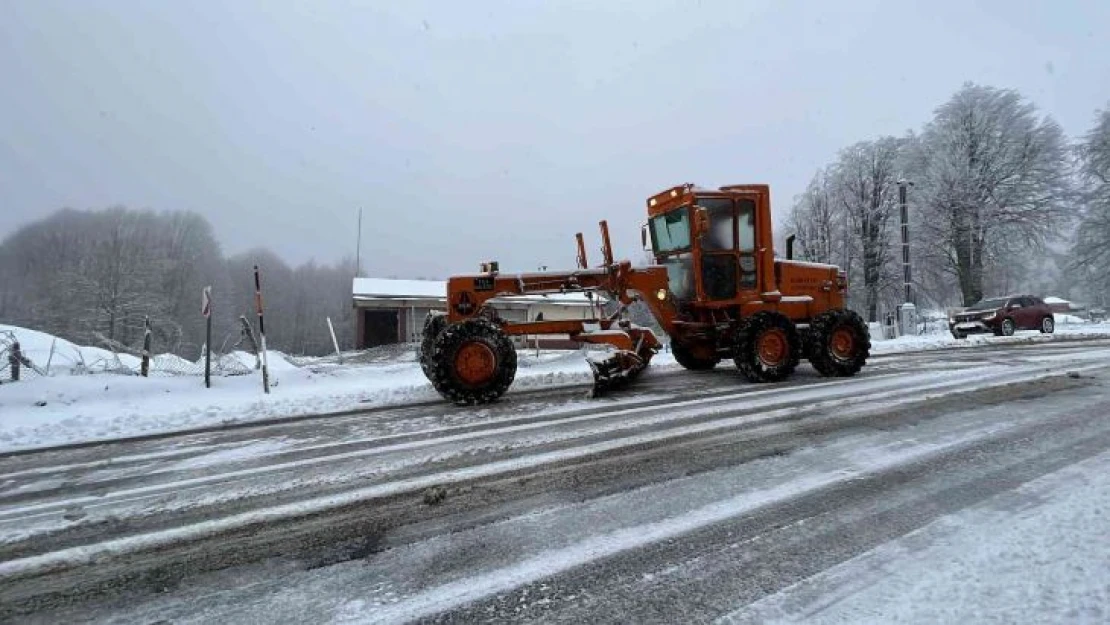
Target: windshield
{"points": [[989, 304], [671, 232]]}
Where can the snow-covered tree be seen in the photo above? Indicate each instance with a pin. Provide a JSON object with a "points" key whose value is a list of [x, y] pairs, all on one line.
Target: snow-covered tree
{"points": [[816, 223], [865, 187], [1092, 250], [992, 179], [79, 274], [848, 216]]}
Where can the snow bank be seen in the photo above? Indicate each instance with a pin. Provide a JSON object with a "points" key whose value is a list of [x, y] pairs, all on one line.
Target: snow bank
{"points": [[1065, 318], [63, 356], [925, 342]]}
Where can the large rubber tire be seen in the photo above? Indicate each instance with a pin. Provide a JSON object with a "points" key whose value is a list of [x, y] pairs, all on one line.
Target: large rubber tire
{"points": [[767, 347], [478, 340], [688, 360], [433, 325], [839, 343]]}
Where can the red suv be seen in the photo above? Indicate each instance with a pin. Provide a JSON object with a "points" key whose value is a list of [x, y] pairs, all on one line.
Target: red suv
{"points": [[1003, 316]]}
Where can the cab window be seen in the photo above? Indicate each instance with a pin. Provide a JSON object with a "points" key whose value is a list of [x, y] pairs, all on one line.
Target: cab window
{"points": [[722, 224]]}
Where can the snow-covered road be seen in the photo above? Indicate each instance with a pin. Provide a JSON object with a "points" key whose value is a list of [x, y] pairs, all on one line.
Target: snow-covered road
{"points": [[545, 507]]}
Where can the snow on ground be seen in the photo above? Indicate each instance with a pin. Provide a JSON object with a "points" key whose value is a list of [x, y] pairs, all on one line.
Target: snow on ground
{"points": [[944, 340], [37, 346], [41, 411], [63, 408], [1033, 555], [1068, 319]]}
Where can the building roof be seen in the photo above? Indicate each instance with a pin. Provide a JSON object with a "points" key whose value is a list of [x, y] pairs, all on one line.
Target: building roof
{"points": [[435, 291], [399, 289]]}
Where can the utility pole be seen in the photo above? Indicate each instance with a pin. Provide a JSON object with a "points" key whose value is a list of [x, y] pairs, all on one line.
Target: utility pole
{"points": [[358, 247], [908, 311]]}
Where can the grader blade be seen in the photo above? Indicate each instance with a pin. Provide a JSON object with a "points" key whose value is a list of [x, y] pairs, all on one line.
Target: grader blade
{"points": [[615, 371]]}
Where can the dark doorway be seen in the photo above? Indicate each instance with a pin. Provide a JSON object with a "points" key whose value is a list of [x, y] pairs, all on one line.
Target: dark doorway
{"points": [[379, 327]]}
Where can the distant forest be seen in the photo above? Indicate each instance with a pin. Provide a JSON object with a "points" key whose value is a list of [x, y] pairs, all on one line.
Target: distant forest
{"points": [[82, 273]]}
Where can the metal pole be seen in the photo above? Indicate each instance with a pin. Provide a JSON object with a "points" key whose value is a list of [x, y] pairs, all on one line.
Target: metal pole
{"points": [[206, 310], [908, 310], [906, 271], [358, 247], [261, 330], [208, 352]]}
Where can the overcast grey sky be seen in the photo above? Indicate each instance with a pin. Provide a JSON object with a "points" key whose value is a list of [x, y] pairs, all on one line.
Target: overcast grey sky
{"points": [[486, 130]]}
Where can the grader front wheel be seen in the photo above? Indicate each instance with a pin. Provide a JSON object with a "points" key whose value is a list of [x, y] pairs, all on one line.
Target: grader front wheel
{"points": [[472, 362], [696, 358], [433, 325]]}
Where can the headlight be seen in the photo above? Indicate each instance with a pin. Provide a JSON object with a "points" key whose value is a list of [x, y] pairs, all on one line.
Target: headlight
{"points": [[989, 316], [661, 294]]}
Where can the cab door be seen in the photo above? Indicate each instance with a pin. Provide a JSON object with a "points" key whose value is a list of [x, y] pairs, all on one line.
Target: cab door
{"points": [[728, 249], [720, 267]]}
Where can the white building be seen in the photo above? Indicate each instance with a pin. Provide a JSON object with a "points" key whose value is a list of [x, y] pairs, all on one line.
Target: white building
{"points": [[393, 311]]}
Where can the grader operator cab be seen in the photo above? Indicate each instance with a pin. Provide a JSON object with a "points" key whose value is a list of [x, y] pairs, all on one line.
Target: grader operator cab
{"points": [[716, 289]]}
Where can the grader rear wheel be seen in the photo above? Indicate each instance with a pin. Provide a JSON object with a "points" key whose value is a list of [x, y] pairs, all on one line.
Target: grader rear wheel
{"points": [[839, 343], [767, 347], [472, 362]]}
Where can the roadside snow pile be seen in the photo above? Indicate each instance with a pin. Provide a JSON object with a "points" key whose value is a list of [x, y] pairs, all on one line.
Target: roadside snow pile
{"points": [[1068, 319], [63, 356], [57, 356]]}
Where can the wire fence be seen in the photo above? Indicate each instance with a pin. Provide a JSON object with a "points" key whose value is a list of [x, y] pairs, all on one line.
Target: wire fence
{"points": [[20, 361]]}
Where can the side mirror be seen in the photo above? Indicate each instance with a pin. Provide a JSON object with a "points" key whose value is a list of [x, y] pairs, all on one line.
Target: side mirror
{"points": [[645, 238], [701, 221]]}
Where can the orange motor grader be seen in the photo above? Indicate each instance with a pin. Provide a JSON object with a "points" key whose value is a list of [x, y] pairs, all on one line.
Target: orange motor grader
{"points": [[716, 289]]}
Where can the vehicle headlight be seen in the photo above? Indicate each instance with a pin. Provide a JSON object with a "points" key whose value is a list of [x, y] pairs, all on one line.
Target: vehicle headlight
{"points": [[989, 316]]}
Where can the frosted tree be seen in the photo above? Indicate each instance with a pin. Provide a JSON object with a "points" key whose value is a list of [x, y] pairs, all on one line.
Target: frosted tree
{"points": [[992, 182], [1091, 253], [814, 220], [864, 183]]}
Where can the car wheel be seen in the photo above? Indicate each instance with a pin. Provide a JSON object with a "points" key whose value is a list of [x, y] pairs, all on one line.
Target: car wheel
{"points": [[1048, 325], [959, 335], [1008, 327]]}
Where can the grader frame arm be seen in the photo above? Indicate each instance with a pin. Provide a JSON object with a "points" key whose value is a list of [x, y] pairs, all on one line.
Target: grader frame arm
{"points": [[473, 296]]}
